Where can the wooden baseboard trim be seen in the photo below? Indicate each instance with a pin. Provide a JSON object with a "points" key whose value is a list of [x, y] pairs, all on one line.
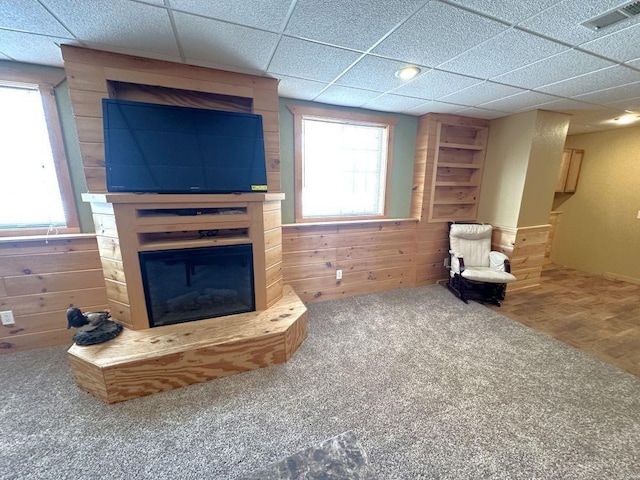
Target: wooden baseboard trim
{"points": [[624, 278]]}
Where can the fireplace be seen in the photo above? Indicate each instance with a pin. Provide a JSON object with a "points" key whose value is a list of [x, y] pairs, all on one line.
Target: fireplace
{"points": [[196, 283], [162, 266]]}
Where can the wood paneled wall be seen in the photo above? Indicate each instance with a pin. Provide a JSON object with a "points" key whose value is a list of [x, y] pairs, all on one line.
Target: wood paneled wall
{"points": [[373, 256], [40, 278], [526, 248]]}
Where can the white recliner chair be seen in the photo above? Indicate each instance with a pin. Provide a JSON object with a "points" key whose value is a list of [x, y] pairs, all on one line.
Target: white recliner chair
{"points": [[477, 273]]}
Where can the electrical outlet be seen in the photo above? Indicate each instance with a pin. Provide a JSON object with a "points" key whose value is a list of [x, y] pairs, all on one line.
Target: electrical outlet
{"points": [[446, 262], [338, 274], [7, 318]]}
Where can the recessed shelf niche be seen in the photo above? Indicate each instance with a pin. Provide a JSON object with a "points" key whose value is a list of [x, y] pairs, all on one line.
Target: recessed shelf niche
{"points": [[458, 152]]}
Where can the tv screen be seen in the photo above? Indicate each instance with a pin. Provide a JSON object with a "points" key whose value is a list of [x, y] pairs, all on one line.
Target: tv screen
{"points": [[170, 149]]}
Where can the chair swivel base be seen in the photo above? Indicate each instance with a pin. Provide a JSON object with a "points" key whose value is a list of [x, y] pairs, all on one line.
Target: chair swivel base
{"points": [[484, 292]]}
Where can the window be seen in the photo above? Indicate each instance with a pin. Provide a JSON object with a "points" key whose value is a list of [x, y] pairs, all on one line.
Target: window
{"points": [[35, 189], [342, 161]]}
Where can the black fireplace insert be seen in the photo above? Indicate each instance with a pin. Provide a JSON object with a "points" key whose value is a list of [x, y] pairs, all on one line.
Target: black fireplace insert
{"points": [[197, 283]]}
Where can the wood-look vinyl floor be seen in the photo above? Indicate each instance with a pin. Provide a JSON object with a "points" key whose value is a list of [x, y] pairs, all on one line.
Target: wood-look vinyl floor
{"points": [[586, 311]]}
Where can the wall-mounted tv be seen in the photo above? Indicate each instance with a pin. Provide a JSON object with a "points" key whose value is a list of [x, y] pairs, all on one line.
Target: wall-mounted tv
{"points": [[173, 149]]}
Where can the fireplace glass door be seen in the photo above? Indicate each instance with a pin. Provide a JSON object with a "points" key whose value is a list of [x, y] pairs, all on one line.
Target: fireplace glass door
{"points": [[196, 283]]}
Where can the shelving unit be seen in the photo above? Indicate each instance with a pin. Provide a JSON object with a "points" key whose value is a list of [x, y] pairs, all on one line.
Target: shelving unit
{"points": [[458, 153]]}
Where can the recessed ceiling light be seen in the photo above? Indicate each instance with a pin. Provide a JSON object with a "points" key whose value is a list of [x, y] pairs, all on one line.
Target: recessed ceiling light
{"points": [[626, 119], [407, 73]]}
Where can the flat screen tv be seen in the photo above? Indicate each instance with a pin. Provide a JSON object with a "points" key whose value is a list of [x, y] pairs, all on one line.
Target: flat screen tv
{"points": [[171, 149]]}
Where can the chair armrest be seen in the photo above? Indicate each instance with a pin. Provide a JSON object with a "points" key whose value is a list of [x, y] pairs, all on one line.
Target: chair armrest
{"points": [[499, 261], [457, 262]]}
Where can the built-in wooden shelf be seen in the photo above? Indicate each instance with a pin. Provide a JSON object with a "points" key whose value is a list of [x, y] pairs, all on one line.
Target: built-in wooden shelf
{"points": [[203, 242], [456, 184], [459, 165], [454, 202], [458, 151], [142, 362], [461, 146]]}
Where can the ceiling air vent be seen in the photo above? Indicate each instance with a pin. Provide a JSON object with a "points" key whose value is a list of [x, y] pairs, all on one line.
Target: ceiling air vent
{"points": [[614, 16]]}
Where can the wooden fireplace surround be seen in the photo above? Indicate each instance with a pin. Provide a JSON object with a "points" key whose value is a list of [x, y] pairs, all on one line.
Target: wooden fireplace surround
{"points": [[127, 224], [144, 360]]}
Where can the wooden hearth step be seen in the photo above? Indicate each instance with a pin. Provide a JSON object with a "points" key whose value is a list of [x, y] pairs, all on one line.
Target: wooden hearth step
{"points": [[143, 362]]}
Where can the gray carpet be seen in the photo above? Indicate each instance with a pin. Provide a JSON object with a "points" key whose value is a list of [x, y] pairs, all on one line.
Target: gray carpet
{"points": [[431, 387]]}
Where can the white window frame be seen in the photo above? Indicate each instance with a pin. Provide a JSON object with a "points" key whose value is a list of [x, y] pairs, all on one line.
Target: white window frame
{"points": [[301, 112], [45, 82]]}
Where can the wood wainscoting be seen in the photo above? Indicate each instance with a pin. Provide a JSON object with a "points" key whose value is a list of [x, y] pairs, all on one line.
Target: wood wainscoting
{"points": [[40, 277], [525, 246], [373, 255]]}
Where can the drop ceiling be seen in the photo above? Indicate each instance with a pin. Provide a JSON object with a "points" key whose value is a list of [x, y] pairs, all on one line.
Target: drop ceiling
{"points": [[478, 58]]}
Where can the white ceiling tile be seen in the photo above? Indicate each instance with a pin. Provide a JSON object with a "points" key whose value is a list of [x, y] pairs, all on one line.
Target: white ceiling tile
{"points": [[349, 23], [393, 103], [299, 88], [434, 107], [519, 101], [594, 81], [594, 120], [631, 104], [509, 50], [507, 10], [436, 33], [622, 45], [4, 57], [269, 15], [568, 64], [132, 51], [29, 48], [609, 95], [119, 23], [563, 20], [201, 39], [567, 105], [374, 73], [30, 16], [222, 66], [476, 112], [634, 63], [481, 93], [435, 84], [299, 58], [346, 96]]}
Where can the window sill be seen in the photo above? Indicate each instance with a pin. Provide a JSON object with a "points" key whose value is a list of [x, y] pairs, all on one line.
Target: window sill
{"points": [[40, 238], [351, 222]]}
